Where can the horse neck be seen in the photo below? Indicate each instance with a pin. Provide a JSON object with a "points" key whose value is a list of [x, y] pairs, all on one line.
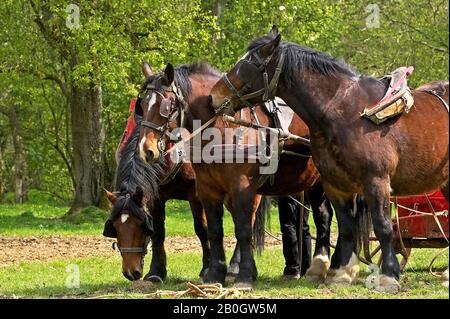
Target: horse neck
{"points": [[323, 101], [199, 107]]}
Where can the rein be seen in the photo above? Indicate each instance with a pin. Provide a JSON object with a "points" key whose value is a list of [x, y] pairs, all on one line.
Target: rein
{"points": [[192, 135]]}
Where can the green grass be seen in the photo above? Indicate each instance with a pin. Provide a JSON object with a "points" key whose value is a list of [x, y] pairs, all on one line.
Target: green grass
{"points": [[34, 219], [102, 275]]}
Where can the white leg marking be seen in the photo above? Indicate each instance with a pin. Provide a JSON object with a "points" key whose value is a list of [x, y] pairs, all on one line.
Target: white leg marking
{"points": [[318, 270], [347, 274], [387, 284]]}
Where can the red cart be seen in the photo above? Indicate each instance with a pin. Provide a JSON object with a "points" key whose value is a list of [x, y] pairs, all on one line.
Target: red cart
{"points": [[419, 222]]}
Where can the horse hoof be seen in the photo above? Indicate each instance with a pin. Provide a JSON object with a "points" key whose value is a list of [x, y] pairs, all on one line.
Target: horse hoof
{"points": [[387, 284], [291, 277], [202, 275], [318, 270], [230, 276], [154, 279], [244, 286], [345, 275]]}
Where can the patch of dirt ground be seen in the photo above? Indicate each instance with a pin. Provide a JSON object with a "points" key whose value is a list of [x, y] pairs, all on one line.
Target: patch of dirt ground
{"points": [[15, 249]]}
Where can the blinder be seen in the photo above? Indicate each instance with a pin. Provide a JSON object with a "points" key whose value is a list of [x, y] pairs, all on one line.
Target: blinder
{"points": [[109, 230], [165, 107], [247, 72]]}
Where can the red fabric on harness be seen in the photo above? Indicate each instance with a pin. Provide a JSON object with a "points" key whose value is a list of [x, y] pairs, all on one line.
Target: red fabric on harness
{"points": [[131, 124]]}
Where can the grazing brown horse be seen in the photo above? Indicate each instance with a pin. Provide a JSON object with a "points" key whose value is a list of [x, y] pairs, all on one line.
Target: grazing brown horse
{"points": [[234, 184], [138, 212], [404, 155]]}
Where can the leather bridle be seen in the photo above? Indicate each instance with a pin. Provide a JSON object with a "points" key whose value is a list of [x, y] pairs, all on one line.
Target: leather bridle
{"points": [[139, 250], [174, 112], [142, 250], [253, 68]]}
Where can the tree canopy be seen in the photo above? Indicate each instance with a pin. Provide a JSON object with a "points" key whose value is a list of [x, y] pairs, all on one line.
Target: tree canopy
{"points": [[61, 59]]}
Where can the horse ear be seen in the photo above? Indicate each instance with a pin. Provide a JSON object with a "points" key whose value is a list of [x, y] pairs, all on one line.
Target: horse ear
{"points": [[111, 197], [138, 196], [169, 75], [273, 32], [271, 46], [147, 70]]}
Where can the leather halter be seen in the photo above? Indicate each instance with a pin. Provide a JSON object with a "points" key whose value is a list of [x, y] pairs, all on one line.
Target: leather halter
{"points": [[142, 250], [267, 92]]}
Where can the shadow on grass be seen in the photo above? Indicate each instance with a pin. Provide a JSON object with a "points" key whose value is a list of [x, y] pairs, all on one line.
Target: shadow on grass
{"points": [[84, 291], [91, 217]]}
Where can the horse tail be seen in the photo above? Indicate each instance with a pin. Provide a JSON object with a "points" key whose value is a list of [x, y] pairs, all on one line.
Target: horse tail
{"points": [[363, 226], [259, 230]]}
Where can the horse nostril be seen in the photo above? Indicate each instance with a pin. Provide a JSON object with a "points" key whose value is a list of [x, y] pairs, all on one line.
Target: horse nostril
{"points": [[137, 274], [149, 155], [210, 99], [127, 275]]}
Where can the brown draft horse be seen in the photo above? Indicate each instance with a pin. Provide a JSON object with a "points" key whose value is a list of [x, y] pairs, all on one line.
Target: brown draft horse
{"points": [[133, 225], [405, 155], [235, 184]]}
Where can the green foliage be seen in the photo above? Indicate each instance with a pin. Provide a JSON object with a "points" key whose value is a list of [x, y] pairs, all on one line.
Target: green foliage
{"points": [[38, 66]]}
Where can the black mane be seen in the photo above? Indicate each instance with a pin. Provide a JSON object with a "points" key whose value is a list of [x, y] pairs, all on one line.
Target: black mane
{"points": [[297, 57], [132, 171], [182, 73]]}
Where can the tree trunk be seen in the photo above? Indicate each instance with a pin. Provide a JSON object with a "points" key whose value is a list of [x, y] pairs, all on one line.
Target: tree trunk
{"points": [[87, 145], [2, 175], [20, 167]]}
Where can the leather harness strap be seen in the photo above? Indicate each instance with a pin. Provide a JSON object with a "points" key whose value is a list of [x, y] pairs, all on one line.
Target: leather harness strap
{"points": [[434, 93]]}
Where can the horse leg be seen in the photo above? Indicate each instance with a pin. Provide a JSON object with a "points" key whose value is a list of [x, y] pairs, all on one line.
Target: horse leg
{"points": [[217, 264], [377, 197], [344, 268], [322, 214], [158, 271], [201, 231], [243, 207], [233, 270]]}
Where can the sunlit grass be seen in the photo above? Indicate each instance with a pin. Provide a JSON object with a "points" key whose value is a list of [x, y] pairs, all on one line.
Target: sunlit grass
{"points": [[102, 276]]}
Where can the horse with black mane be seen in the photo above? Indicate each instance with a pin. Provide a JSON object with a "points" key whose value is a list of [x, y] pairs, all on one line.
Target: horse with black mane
{"points": [[401, 156], [177, 97], [138, 211]]}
